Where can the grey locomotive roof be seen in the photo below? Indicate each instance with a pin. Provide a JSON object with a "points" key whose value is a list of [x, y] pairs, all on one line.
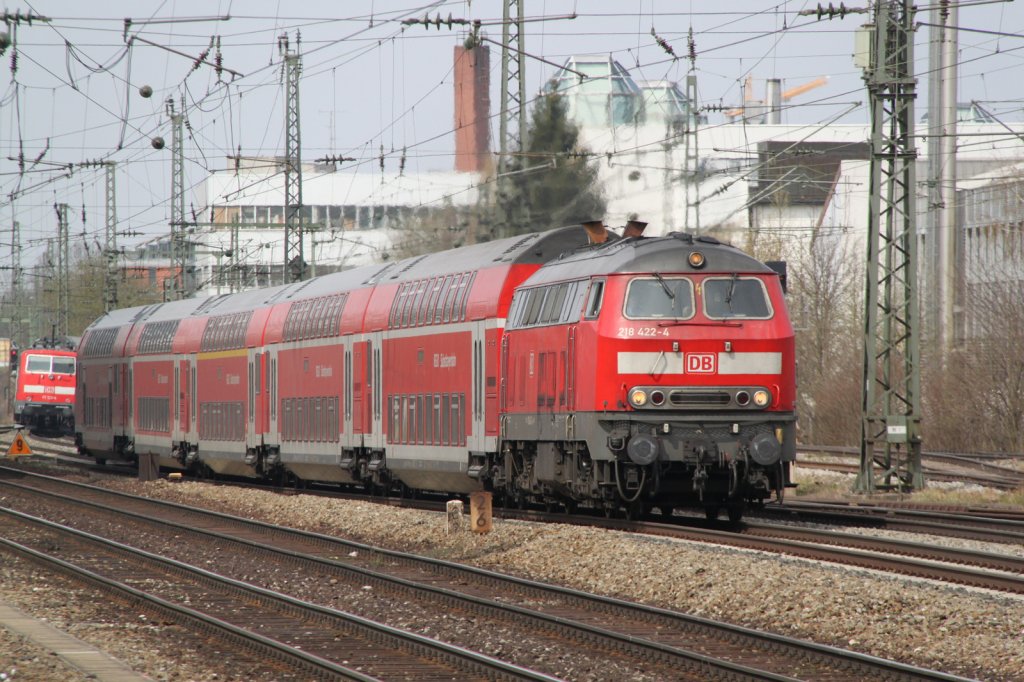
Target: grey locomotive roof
{"points": [[647, 254]]}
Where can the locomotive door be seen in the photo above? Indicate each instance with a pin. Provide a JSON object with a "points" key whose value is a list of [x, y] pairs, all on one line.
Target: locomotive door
{"points": [[570, 369]]}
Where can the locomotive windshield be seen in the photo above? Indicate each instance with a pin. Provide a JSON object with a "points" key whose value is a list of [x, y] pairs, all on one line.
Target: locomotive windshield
{"points": [[47, 364], [736, 296], [659, 297]]}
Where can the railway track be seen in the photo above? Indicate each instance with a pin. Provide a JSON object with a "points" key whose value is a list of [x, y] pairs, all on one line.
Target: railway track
{"points": [[307, 637], [963, 567], [986, 524], [979, 468], [679, 646]]}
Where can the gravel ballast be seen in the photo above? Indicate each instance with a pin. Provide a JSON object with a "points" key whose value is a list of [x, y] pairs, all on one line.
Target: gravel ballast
{"points": [[965, 631]]}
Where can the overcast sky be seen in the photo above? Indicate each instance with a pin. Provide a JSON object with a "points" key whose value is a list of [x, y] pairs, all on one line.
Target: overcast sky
{"points": [[369, 81]]}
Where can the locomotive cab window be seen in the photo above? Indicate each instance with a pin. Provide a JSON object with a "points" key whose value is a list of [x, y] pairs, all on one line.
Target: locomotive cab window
{"points": [[659, 297], [730, 297], [594, 299]]}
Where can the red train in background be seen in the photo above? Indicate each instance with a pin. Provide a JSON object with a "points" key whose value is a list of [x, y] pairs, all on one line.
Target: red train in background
{"points": [[565, 367], [44, 395]]}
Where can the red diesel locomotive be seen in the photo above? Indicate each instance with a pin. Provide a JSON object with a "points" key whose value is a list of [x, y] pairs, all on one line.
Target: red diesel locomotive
{"points": [[44, 394], [622, 375]]}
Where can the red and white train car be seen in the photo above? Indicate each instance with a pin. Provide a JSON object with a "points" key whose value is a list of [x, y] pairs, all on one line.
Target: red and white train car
{"points": [[44, 393], [635, 373]]}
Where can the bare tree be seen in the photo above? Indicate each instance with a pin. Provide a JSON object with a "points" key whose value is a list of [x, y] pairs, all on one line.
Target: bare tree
{"points": [[825, 307]]}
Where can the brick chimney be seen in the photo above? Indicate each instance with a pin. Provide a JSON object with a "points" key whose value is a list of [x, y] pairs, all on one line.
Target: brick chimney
{"points": [[472, 108]]}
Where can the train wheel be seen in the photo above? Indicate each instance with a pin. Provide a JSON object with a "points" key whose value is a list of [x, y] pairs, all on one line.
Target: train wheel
{"points": [[570, 506], [634, 510], [711, 512], [666, 511], [735, 511]]}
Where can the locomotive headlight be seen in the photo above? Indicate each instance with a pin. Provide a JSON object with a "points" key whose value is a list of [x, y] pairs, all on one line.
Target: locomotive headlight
{"points": [[638, 397], [696, 259], [762, 397]]}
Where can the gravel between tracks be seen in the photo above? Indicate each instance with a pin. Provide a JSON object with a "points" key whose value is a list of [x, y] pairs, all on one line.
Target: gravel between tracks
{"points": [[959, 630]]}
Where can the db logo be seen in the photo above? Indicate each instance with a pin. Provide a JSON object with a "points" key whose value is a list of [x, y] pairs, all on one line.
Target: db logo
{"points": [[700, 363]]}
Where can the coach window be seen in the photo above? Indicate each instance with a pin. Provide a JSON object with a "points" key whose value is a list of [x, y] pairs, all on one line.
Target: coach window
{"points": [[393, 317], [410, 296], [441, 296], [594, 300], [457, 427], [435, 290], [319, 318], [729, 297], [436, 435], [458, 307], [446, 415], [463, 301], [659, 297], [409, 417], [417, 306], [420, 430]]}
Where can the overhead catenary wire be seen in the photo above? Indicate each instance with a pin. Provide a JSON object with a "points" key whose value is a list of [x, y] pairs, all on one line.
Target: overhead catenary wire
{"points": [[415, 149]]}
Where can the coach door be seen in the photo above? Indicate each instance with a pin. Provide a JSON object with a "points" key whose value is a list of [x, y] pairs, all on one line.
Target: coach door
{"points": [[348, 389], [478, 403], [181, 392], [255, 381], [373, 391]]}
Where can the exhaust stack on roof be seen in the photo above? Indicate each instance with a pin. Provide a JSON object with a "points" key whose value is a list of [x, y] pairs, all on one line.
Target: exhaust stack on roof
{"points": [[596, 231], [634, 228]]}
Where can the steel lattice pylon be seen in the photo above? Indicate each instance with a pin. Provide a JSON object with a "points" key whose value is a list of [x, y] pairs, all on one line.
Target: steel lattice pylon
{"points": [[110, 254], [513, 95], [890, 430], [110, 245], [179, 253], [63, 293], [294, 259]]}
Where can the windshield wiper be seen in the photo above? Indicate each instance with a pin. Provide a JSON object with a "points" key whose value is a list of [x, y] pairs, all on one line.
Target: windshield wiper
{"points": [[732, 289], [665, 286]]}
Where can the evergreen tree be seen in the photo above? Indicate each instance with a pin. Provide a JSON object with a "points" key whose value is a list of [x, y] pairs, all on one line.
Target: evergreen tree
{"points": [[552, 182]]}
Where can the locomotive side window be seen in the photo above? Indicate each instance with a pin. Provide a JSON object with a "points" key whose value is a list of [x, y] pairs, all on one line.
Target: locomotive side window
{"points": [[533, 306], [553, 304], [595, 299], [728, 297], [659, 297]]}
